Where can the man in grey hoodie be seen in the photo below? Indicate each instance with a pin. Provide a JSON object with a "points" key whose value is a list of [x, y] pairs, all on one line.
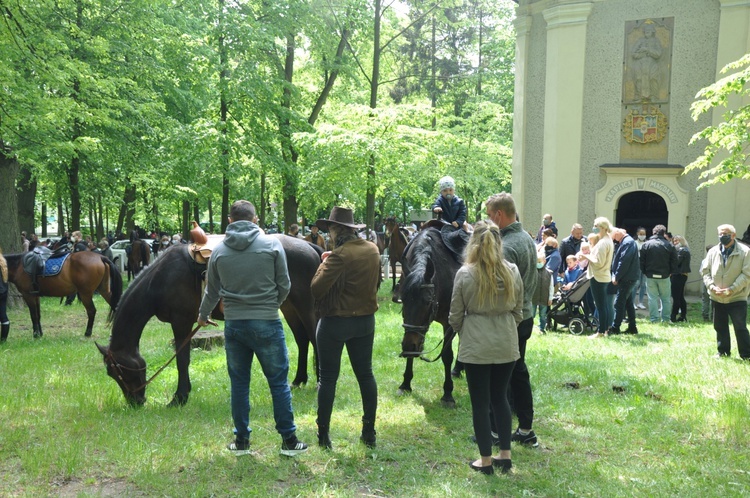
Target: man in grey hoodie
{"points": [[248, 271]]}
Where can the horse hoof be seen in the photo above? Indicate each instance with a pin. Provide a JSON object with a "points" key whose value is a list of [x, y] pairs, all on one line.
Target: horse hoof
{"points": [[87, 334], [37, 335], [448, 403], [403, 392], [177, 402]]}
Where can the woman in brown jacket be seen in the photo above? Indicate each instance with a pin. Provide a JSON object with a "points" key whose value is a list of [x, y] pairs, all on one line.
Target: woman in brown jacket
{"points": [[345, 290]]}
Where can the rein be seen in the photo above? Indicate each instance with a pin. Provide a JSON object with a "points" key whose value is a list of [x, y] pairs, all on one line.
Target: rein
{"points": [[421, 330], [120, 368]]}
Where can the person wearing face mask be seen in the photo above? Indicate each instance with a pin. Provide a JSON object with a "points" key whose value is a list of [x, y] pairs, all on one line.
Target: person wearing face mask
{"points": [[600, 262], [547, 224], [552, 256], [679, 278], [726, 274], [658, 262], [570, 245], [449, 207], [545, 290], [639, 291]]}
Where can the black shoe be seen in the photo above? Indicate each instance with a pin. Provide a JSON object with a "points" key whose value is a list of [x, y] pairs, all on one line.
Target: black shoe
{"points": [[293, 446], [369, 434], [632, 329], [239, 447], [613, 331], [488, 470], [525, 439], [503, 464]]}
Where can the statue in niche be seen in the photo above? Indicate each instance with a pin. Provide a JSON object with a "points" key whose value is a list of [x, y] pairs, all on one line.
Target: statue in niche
{"points": [[646, 53]]}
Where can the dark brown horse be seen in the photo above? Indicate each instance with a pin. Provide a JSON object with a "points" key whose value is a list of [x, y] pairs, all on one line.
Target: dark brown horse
{"points": [[170, 290], [397, 241], [428, 270], [83, 272], [138, 256]]}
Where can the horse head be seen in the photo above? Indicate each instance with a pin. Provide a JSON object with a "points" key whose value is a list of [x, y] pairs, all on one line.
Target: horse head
{"points": [[129, 372], [420, 304]]}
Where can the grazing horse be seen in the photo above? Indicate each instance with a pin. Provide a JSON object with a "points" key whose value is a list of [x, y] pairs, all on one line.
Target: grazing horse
{"points": [[397, 241], [83, 272], [428, 270], [170, 290]]}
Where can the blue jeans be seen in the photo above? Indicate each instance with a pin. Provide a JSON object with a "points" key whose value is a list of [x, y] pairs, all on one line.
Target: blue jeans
{"points": [[624, 303], [737, 312], [244, 339], [659, 289], [640, 289], [542, 315], [603, 304]]}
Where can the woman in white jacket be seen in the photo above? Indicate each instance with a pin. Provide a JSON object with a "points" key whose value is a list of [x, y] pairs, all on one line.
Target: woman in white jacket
{"points": [[486, 307]]}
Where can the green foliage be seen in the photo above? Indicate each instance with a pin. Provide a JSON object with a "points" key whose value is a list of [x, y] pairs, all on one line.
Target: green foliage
{"points": [[730, 139]]}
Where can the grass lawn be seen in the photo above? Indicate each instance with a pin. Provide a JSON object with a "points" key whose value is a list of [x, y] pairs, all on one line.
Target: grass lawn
{"points": [[676, 422]]}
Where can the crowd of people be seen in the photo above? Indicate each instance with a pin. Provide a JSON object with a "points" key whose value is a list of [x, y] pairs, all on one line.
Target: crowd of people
{"points": [[508, 277]]}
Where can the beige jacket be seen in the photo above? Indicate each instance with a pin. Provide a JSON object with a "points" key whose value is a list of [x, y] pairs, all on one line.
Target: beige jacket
{"points": [[735, 275], [488, 332]]}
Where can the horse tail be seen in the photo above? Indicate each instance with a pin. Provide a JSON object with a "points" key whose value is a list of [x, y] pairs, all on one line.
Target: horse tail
{"points": [[115, 288]]}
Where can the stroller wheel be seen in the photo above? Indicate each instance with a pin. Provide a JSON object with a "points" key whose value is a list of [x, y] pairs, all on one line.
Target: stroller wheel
{"points": [[594, 323], [576, 326]]}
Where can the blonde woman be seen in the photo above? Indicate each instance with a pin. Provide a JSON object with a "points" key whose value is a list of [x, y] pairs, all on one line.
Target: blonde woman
{"points": [[4, 321], [599, 270], [486, 308]]}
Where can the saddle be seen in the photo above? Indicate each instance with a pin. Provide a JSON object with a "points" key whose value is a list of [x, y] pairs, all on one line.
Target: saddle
{"points": [[200, 250], [42, 261], [455, 239]]}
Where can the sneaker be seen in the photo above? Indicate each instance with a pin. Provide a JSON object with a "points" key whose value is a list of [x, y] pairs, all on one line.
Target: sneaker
{"points": [[525, 439], [293, 447], [641, 306], [239, 448]]}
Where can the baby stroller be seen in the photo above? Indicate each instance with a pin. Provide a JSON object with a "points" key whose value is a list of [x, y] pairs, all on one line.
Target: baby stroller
{"points": [[567, 309]]}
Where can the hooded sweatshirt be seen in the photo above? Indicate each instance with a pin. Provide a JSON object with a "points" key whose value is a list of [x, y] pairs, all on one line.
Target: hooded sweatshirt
{"points": [[248, 271]]}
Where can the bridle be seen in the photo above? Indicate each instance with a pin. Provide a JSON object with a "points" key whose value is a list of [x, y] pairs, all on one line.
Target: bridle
{"points": [[119, 367], [421, 330]]}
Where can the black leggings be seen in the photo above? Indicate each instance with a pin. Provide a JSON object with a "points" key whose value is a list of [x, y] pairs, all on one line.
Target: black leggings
{"points": [[679, 306], [4, 307], [488, 385], [357, 333]]}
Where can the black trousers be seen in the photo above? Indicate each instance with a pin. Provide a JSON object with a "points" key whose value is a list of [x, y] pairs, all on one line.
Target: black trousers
{"points": [[488, 386], [357, 334], [679, 305], [521, 398], [737, 312]]}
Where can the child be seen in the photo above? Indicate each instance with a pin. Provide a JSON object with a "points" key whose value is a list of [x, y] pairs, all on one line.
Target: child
{"points": [[542, 297], [449, 207], [572, 273]]}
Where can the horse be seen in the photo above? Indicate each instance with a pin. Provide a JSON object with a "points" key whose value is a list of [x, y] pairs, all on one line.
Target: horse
{"points": [[397, 241], [138, 255], [84, 272], [428, 270], [170, 289]]}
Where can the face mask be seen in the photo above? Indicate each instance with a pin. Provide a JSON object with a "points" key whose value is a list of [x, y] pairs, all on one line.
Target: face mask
{"points": [[165, 243], [641, 238], [539, 266], [595, 230], [725, 239], [448, 197], [549, 250], [546, 222]]}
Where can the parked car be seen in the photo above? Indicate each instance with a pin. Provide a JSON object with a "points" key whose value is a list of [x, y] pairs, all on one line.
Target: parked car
{"points": [[120, 256]]}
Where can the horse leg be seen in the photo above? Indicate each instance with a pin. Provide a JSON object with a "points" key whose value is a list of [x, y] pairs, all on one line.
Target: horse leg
{"points": [[35, 312], [180, 397], [405, 386], [447, 357], [303, 343], [88, 303]]}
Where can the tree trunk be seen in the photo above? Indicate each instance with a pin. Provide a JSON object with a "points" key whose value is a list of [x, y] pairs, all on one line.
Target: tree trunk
{"points": [[223, 111], [75, 193], [371, 174], [185, 216], [196, 212], [44, 220], [60, 217], [210, 215], [26, 186], [262, 203], [10, 238]]}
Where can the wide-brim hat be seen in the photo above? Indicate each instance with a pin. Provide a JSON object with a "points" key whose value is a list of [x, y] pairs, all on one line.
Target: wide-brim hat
{"points": [[340, 216]]}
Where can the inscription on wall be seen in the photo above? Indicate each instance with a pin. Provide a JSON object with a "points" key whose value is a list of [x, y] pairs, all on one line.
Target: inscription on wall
{"points": [[619, 187], [652, 184], [664, 189]]}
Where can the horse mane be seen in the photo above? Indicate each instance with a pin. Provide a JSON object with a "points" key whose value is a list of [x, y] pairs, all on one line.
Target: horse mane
{"points": [[417, 254]]}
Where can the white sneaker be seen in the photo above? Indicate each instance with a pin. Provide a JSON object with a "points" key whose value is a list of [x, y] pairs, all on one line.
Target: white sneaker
{"points": [[641, 306]]}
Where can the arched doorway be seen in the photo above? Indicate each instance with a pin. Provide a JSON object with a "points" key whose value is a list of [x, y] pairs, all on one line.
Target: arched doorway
{"points": [[641, 209]]}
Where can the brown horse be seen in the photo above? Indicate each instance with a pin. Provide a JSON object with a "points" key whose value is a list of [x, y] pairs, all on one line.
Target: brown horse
{"points": [[138, 257], [397, 241], [83, 272], [170, 290]]}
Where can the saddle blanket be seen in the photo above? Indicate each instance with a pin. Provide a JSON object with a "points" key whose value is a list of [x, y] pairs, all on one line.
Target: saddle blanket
{"points": [[53, 265]]}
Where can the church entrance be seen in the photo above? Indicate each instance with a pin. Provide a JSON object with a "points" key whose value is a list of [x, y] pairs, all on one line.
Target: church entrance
{"points": [[641, 209]]}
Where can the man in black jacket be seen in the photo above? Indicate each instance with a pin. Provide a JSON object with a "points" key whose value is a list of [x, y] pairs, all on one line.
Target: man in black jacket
{"points": [[658, 262], [570, 245], [625, 275]]}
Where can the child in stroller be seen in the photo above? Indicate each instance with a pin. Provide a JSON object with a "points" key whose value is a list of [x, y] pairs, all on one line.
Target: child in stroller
{"points": [[567, 308]]}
